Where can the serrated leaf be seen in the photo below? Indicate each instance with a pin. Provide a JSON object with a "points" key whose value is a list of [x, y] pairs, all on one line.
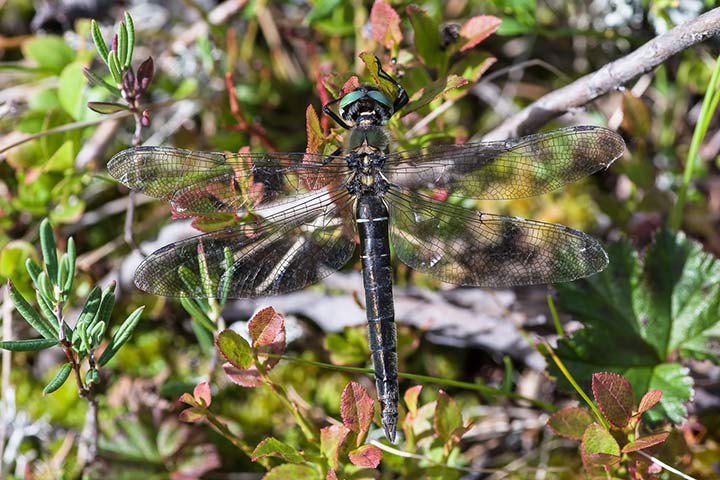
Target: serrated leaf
{"points": [[570, 422], [28, 345], [121, 336], [649, 400], [235, 349], [598, 446], [646, 442], [385, 25], [367, 456], [448, 416], [315, 138], [331, 439], [249, 377], [267, 330], [272, 447], [356, 408], [614, 396], [60, 377], [37, 321], [647, 311]]}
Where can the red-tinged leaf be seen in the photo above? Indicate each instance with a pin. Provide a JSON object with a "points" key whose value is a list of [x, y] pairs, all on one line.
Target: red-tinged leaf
{"points": [[356, 408], [192, 415], [235, 349], [385, 24], [367, 456], [649, 400], [448, 416], [614, 396], [435, 90], [645, 442], [331, 475], [202, 394], [290, 470], [250, 377], [352, 83], [373, 66], [478, 29], [272, 447], [331, 439], [471, 67], [315, 138], [188, 399], [570, 422], [411, 397], [599, 447], [267, 329]]}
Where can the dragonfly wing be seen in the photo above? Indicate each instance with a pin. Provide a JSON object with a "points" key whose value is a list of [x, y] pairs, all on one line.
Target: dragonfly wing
{"points": [[516, 168], [277, 254], [207, 183], [467, 247]]}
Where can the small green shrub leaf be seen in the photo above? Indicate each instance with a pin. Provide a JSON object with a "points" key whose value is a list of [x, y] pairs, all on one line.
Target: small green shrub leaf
{"points": [[272, 447], [92, 377], [49, 250], [368, 456], [448, 416], [235, 349], [290, 470], [50, 52], [130, 40], [122, 47], [121, 336], [427, 38], [29, 345], [436, 89], [646, 442], [106, 108], [614, 396], [37, 321], [599, 447], [114, 67], [100, 44], [570, 422], [331, 439], [72, 257], [348, 348], [59, 379], [70, 92], [94, 79]]}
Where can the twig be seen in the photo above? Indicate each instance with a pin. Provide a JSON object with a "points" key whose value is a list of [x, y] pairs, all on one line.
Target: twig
{"points": [[609, 77]]}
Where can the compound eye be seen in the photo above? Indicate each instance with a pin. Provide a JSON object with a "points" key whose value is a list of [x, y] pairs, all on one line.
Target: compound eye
{"points": [[381, 98], [351, 97]]}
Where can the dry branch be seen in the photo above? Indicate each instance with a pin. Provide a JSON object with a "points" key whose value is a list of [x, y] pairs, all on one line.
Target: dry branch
{"points": [[609, 77]]}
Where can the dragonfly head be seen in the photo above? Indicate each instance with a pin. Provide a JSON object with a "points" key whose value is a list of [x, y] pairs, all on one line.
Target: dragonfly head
{"points": [[366, 105]]}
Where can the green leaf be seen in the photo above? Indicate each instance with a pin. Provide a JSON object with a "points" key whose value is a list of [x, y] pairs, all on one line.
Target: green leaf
{"points": [[331, 439], [106, 108], [235, 349], [121, 336], [272, 447], [94, 79], [100, 44], [349, 348], [40, 324], [570, 422], [50, 52], [430, 92], [70, 91], [122, 46], [49, 251], [427, 38], [114, 67], [33, 269], [646, 312], [61, 161], [59, 379], [599, 447], [72, 257], [107, 302], [46, 308], [448, 416], [130, 40], [92, 377], [90, 309], [30, 345], [197, 313], [289, 470]]}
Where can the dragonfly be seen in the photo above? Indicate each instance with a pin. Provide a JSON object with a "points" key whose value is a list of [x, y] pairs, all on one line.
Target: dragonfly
{"points": [[302, 215]]}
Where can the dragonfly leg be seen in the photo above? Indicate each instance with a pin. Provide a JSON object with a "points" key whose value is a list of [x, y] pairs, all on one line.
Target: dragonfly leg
{"points": [[402, 97], [328, 111]]}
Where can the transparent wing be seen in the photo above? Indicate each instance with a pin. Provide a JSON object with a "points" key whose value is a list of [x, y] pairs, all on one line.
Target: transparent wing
{"points": [[206, 183], [467, 247], [516, 168], [281, 253]]}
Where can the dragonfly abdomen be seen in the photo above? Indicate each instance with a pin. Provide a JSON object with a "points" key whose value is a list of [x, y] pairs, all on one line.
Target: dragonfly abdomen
{"points": [[372, 219]]}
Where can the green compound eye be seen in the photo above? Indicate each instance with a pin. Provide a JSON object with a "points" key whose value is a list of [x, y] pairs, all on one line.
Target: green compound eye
{"points": [[380, 97], [351, 98]]}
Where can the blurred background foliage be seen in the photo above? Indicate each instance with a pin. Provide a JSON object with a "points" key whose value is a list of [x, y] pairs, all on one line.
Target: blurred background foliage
{"points": [[277, 55]]}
